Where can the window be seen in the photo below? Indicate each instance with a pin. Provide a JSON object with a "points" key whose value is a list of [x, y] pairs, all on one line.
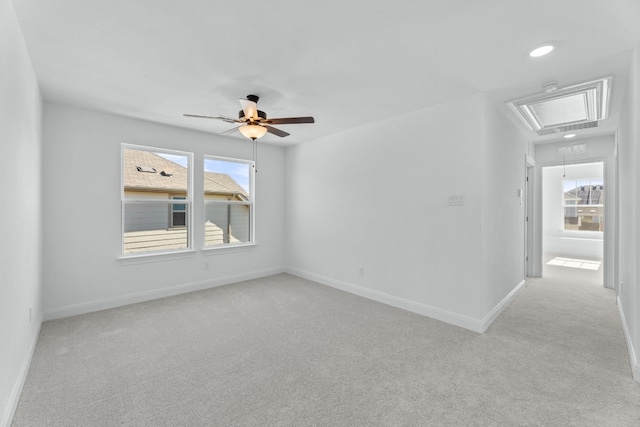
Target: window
{"points": [[583, 204], [178, 212], [228, 201], [156, 206]]}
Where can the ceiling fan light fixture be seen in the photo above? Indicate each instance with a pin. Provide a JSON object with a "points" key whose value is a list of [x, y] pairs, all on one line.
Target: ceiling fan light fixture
{"points": [[253, 131]]}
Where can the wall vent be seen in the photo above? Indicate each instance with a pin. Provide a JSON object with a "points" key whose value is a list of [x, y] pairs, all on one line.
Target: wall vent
{"points": [[573, 151], [567, 128]]}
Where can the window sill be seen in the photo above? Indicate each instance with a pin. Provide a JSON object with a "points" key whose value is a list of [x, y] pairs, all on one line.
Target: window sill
{"points": [[241, 247], [132, 259], [581, 234]]}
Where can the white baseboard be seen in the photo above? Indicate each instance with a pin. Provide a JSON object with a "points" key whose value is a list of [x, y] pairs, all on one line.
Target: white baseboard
{"points": [[633, 358], [446, 316], [91, 306], [493, 314], [12, 405]]}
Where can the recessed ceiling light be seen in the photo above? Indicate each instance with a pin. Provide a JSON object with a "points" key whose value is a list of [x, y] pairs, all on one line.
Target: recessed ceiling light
{"points": [[570, 135], [541, 50]]}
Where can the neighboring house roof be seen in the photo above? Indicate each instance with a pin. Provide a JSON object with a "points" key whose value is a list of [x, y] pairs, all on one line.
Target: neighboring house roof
{"points": [[583, 192], [146, 171]]}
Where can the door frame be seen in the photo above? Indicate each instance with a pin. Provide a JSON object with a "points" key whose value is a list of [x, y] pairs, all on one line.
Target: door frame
{"points": [[534, 213]]}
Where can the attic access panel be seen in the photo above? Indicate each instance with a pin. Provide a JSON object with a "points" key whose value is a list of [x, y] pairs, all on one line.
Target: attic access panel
{"points": [[574, 107]]}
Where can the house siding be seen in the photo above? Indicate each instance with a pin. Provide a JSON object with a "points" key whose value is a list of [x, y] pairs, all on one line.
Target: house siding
{"points": [[154, 216]]}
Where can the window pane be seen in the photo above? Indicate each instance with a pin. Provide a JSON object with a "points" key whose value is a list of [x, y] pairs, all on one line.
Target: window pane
{"points": [[597, 191], [583, 191], [142, 171], [591, 223], [149, 227], [569, 188], [570, 219], [228, 198], [587, 195], [227, 223], [152, 180], [225, 177], [179, 207]]}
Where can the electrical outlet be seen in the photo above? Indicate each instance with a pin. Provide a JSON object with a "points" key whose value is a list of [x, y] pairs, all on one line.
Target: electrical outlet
{"points": [[29, 314], [361, 270], [206, 265]]}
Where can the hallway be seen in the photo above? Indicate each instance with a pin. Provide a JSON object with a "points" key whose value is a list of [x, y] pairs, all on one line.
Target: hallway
{"points": [[571, 326]]}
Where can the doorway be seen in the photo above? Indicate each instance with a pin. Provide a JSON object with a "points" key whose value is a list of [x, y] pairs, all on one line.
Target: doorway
{"points": [[573, 218]]}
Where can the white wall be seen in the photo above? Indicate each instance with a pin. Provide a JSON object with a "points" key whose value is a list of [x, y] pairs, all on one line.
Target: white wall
{"points": [[503, 212], [21, 224], [377, 196], [82, 214], [556, 240], [629, 213]]}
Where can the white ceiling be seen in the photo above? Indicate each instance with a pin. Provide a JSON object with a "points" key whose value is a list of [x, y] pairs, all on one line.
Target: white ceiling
{"points": [[347, 63]]}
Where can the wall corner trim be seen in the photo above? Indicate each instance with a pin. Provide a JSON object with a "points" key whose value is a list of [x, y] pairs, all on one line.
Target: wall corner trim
{"points": [[12, 405], [450, 317], [499, 308], [633, 357], [119, 301]]}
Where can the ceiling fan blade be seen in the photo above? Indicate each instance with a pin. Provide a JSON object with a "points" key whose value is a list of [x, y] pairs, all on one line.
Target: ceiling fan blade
{"points": [[218, 117], [230, 131], [289, 120], [277, 132], [250, 108]]}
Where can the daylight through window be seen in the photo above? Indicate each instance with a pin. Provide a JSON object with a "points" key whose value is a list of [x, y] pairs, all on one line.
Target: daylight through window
{"points": [[583, 204], [228, 201], [156, 200]]}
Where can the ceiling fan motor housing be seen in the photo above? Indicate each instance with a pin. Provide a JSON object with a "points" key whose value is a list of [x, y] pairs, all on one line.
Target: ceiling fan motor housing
{"points": [[253, 98], [261, 114]]}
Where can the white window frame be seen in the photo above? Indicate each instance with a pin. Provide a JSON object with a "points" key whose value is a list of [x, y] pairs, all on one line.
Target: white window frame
{"points": [[577, 206], [250, 203], [188, 201]]}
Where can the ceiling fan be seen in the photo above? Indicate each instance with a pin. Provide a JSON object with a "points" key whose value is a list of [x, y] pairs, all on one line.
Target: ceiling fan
{"points": [[254, 123]]}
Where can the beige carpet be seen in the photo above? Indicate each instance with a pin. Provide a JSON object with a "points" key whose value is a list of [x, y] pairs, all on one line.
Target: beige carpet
{"points": [[283, 351]]}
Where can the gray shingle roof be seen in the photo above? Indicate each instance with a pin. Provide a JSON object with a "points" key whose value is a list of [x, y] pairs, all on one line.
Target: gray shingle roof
{"points": [[137, 180]]}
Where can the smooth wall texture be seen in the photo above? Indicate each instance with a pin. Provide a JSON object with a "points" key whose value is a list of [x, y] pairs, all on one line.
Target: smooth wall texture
{"points": [[629, 232], [369, 211], [82, 214], [21, 224], [503, 212], [555, 239]]}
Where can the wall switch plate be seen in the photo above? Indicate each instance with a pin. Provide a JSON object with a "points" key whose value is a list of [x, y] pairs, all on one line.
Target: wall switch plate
{"points": [[456, 200]]}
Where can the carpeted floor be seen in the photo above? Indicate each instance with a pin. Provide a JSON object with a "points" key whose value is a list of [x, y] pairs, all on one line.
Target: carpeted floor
{"points": [[283, 351]]}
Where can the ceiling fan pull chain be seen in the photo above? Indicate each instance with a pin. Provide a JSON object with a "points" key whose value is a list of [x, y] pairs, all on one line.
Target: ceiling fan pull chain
{"points": [[255, 155]]}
